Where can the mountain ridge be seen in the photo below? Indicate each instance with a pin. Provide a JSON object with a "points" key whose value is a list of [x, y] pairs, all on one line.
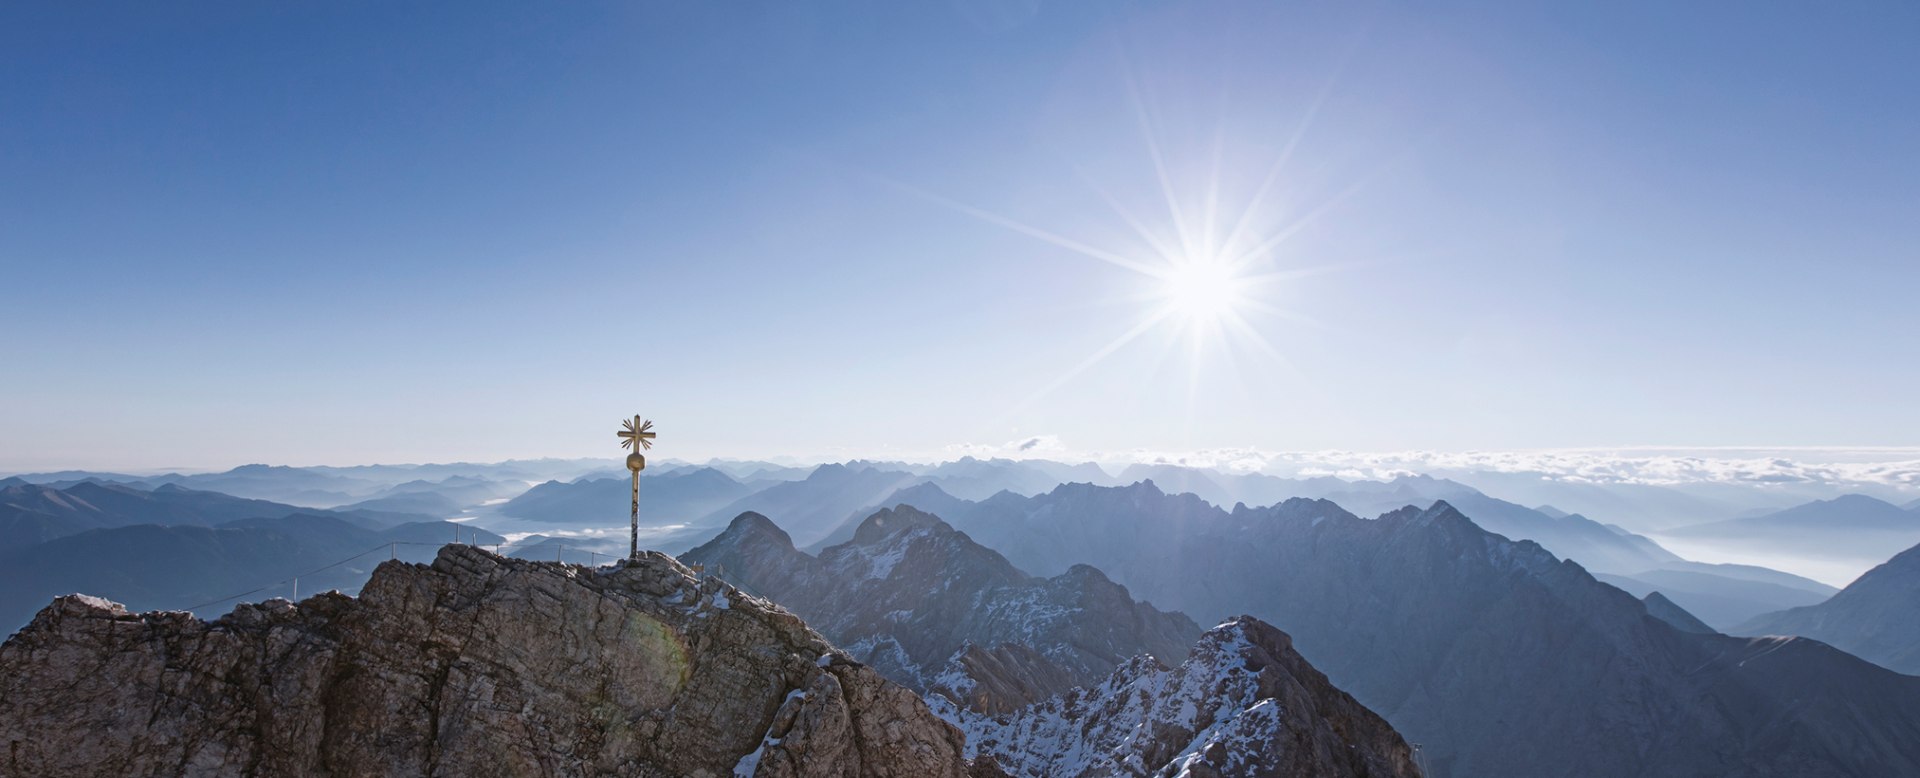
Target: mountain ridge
{"points": [[1877, 617], [940, 613], [1468, 641]]}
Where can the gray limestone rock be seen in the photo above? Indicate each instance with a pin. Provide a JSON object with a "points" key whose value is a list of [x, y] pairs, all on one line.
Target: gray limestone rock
{"points": [[475, 665]]}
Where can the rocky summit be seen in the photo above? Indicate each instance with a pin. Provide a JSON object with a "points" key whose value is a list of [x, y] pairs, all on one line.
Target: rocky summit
{"points": [[1243, 704], [473, 665]]}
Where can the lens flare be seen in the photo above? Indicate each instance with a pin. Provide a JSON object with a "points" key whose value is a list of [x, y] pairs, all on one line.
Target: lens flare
{"points": [[1204, 289]]}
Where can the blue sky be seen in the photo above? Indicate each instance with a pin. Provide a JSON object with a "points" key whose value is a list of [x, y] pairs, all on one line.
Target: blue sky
{"points": [[350, 232]]}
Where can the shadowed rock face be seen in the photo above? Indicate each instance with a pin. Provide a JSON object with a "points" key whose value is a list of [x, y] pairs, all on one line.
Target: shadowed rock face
{"points": [[937, 612], [475, 665], [1495, 656], [1659, 607], [1244, 703], [1877, 617]]}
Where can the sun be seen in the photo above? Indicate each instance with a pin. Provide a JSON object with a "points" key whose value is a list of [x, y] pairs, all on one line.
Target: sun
{"points": [[1211, 274], [1203, 289]]}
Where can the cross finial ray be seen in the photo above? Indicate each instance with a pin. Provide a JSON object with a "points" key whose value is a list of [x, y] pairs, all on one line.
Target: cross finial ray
{"points": [[637, 431]]}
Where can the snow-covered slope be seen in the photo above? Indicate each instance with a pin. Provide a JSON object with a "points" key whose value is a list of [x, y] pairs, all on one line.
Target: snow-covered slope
{"points": [[1244, 703]]}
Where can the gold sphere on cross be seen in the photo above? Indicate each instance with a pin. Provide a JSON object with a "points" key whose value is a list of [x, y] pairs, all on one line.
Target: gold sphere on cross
{"points": [[636, 463]]}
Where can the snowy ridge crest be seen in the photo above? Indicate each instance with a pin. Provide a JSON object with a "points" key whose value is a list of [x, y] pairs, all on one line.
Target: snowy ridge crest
{"points": [[1243, 703]]}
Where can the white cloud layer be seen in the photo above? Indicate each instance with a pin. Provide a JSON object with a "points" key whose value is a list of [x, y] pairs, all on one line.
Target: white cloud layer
{"points": [[1897, 468], [1882, 467]]}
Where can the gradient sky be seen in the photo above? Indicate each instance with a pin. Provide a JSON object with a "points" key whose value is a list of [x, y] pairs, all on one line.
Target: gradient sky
{"points": [[314, 233]]}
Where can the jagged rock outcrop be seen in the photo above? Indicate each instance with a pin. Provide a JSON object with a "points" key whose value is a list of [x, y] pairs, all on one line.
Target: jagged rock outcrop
{"points": [[1243, 704], [938, 612], [475, 665]]}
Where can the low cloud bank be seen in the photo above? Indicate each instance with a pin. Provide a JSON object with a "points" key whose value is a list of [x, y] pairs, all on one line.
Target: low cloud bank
{"points": [[1897, 468]]}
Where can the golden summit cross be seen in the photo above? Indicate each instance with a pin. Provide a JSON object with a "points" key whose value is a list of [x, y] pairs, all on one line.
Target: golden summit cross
{"points": [[636, 435], [637, 430]]}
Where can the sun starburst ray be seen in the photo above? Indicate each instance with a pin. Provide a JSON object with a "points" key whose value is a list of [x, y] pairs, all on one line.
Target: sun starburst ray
{"points": [[1260, 194], [1167, 190], [1030, 231], [1296, 226], [1094, 359], [1290, 316], [1211, 210], [1138, 225]]}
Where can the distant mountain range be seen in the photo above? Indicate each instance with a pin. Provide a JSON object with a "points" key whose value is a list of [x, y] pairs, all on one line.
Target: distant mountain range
{"points": [[595, 551], [156, 567], [1852, 527], [1639, 507], [173, 547], [1876, 617], [811, 508], [1569, 536], [1572, 536], [33, 513], [329, 487], [941, 614], [682, 496], [1500, 658], [442, 498], [977, 479], [1723, 595]]}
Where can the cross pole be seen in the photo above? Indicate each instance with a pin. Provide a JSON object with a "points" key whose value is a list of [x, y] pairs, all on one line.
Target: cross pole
{"points": [[636, 435]]}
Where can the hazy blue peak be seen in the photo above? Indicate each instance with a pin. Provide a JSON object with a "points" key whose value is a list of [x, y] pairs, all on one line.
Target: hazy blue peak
{"points": [[750, 522]]}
